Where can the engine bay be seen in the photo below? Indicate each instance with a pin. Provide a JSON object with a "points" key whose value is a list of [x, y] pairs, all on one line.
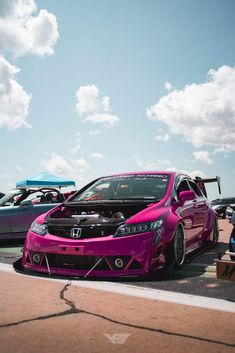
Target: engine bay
{"points": [[92, 220]]}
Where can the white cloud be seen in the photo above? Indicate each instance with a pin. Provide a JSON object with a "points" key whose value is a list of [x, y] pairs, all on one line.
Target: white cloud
{"points": [[22, 33], [162, 164], [57, 165], [74, 169], [203, 156], [82, 165], [91, 106], [151, 164], [163, 137], [108, 120], [76, 149], [204, 114], [17, 8], [192, 173], [168, 86], [89, 100], [14, 101], [97, 155], [94, 132]]}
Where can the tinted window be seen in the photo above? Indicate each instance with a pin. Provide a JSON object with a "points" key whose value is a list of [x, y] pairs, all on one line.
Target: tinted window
{"points": [[195, 188], [183, 186]]}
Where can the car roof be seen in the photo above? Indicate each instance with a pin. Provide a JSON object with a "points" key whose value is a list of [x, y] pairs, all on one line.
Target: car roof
{"points": [[142, 173]]}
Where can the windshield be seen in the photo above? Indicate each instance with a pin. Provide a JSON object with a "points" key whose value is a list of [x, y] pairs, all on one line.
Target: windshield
{"points": [[132, 187], [10, 198]]}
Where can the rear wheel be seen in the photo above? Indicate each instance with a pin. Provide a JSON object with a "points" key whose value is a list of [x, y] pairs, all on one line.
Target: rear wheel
{"points": [[215, 236], [224, 213], [175, 254]]}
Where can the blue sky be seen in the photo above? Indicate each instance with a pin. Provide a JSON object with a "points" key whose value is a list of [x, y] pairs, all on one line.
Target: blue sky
{"points": [[110, 86]]}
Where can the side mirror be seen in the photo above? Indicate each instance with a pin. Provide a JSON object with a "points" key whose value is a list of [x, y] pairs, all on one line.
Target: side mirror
{"points": [[187, 195], [26, 203]]}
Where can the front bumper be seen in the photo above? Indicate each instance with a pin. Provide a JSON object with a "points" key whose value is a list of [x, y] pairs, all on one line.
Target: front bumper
{"points": [[133, 255]]}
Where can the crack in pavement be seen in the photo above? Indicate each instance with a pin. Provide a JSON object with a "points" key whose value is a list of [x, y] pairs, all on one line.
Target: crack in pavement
{"points": [[74, 310]]}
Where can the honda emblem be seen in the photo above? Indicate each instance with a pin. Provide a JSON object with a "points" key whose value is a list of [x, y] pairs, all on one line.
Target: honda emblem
{"points": [[75, 233]]}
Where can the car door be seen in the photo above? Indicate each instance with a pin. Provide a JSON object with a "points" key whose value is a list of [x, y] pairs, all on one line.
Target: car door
{"points": [[200, 208], [23, 215], [187, 212], [42, 208], [13, 218], [5, 222], [21, 218]]}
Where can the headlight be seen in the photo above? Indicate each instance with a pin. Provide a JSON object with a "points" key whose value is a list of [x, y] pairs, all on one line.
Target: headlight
{"points": [[137, 228], [38, 228]]}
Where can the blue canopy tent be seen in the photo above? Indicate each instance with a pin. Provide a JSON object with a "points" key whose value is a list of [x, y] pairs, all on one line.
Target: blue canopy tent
{"points": [[44, 180]]}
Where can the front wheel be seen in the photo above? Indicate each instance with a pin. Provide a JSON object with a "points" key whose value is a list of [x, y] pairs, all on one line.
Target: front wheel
{"points": [[175, 254]]}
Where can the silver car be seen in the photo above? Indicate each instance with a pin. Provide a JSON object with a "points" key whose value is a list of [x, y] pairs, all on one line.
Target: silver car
{"points": [[20, 207]]}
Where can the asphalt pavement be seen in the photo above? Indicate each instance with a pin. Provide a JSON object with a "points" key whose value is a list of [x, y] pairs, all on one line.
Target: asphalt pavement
{"points": [[192, 311], [197, 277]]}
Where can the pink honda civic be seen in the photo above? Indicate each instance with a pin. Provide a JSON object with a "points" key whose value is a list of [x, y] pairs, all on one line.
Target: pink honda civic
{"points": [[132, 224]]}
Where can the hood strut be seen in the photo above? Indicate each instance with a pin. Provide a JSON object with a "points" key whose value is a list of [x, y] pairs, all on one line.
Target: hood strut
{"points": [[93, 267]]}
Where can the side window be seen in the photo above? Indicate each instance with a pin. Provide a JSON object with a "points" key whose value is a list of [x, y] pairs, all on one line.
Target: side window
{"points": [[195, 188], [35, 197], [183, 186]]}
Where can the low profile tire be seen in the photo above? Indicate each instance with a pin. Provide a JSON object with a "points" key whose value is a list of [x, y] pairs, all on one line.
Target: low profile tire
{"points": [[175, 254], [215, 235]]}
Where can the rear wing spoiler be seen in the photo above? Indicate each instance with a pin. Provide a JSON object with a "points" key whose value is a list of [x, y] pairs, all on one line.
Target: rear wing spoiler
{"points": [[202, 181]]}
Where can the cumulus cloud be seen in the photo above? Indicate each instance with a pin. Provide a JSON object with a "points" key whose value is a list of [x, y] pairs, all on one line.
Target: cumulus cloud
{"points": [[82, 165], [192, 173], [204, 114], [108, 120], [76, 149], [14, 101], [161, 164], [151, 164], [73, 169], [56, 164], [163, 137], [168, 86], [97, 155], [94, 132], [22, 32], [203, 156], [93, 107]]}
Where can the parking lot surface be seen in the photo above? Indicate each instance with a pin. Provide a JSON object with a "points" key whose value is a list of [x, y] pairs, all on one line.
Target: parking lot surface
{"points": [[49, 315], [45, 316], [197, 277]]}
